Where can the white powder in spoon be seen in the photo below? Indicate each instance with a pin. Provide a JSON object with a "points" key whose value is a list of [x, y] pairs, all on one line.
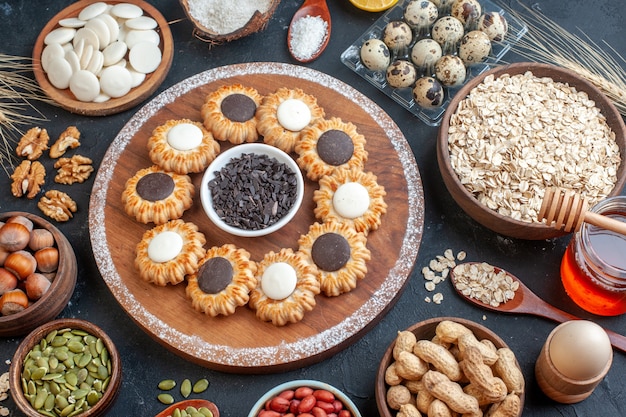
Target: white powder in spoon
{"points": [[225, 16], [307, 36]]}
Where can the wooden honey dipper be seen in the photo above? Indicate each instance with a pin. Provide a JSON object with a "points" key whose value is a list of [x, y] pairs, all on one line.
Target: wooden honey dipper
{"points": [[568, 209]]}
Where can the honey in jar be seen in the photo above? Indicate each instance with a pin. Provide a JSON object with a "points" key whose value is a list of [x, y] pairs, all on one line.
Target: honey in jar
{"points": [[593, 269]]}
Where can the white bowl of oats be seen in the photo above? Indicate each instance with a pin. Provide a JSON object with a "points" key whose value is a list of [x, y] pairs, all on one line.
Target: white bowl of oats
{"points": [[515, 130]]}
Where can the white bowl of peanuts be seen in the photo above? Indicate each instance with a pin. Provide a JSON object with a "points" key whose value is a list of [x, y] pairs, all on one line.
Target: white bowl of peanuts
{"points": [[518, 129], [449, 364], [304, 397]]}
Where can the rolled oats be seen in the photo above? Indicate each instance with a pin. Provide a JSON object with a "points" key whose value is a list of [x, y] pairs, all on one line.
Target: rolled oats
{"points": [[516, 135], [482, 282]]}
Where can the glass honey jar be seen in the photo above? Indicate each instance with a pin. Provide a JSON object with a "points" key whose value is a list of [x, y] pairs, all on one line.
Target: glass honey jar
{"points": [[593, 268]]}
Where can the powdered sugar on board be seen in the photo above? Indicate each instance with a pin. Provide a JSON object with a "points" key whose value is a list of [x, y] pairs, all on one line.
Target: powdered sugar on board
{"points": [[303, 350]]}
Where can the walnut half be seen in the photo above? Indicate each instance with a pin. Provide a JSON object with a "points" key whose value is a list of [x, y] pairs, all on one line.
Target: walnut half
{"points": [[57, 205], [33, 143], [68, 139], [74, 169], [28, 178]]}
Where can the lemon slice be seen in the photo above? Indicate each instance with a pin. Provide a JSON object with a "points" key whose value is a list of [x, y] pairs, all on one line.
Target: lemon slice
{"points": [[373, 5]]}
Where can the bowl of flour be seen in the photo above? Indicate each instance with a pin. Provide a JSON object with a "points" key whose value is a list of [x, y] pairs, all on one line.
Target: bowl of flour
{"points": [[219, 21]]}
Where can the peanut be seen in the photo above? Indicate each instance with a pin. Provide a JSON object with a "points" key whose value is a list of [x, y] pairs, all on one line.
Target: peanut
{"points": [[414, 386], [481, 375], [439, 357], [424, 398], [391, 375], [506, 368], [410, 366], [404, 343], [397, 396], [466, 340], [450, 392], [408, 410], [438, 408], [449, 331], [509, 407]]}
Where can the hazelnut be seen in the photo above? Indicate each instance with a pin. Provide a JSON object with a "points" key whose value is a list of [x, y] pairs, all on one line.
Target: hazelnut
{"points": [[25, 221], [13, 302], [36, 286], [39, 239], [3, 255], [8, 281], [21, 263], [47, 259], [14, 236]]}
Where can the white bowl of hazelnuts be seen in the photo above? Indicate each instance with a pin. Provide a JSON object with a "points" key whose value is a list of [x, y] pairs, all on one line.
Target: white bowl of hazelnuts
{"points": [[449, 365], [38, 272]]}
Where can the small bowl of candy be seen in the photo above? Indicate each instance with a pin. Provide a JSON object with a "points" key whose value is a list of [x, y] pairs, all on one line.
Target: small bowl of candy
{"points": [[304, 397], [252, 190]]}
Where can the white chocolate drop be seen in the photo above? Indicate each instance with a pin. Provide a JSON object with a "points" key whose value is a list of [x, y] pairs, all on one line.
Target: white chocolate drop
{"points": [[53, 50], [142, 23], [279, 281], [60, 35], [93, 10], [184, 136], [351, 200], [293, 114], [84, 85], [59, 72], [165, 246], [115, 81], [126, 11], [145, 57]]}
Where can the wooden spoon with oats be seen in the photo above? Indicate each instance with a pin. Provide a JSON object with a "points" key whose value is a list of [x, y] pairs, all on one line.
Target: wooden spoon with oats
{"points": [[471, 279]]}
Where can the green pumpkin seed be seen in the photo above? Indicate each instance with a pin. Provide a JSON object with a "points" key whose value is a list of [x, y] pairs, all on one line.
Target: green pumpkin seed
{"points": [[92, 397], [46, 413], [185, 388], [167, 384], [165, 399], [176, 413], [200, 386], [61, 402], [191, 409], [205, 412], [38, 373], [75, 346]]}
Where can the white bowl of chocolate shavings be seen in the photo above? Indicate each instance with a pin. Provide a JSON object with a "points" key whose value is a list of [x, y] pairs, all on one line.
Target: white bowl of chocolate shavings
{"points": [[252, 190], [219, 21]]}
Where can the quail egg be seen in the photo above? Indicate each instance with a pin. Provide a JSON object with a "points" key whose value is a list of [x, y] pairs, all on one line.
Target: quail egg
{"points": [[421, 14], [450, 70], [375, 55], [397, 35], [494, 25], [448, 31], [425, 53], [475, 47], [401, 74], [467, 11], [428, 92], [443, 5]]}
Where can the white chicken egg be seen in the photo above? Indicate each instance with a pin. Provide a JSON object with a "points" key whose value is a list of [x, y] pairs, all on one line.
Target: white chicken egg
{"points": [[580, 349], [397, 35], [421, 14], [494, 25], [425, 53], [428, 92], [448, 31], [401, 74], [450, 70], [475, 47], [375, 55], [467, 11]]}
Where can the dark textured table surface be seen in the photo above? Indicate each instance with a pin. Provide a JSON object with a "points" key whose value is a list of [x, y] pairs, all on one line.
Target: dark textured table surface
{"points": [[353, 370]]}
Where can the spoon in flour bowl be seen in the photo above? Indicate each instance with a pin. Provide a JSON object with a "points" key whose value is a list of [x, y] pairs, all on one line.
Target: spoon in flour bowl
{"points": [[309, 31]]}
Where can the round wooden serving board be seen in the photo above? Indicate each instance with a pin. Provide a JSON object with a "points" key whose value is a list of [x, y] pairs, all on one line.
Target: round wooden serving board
{"points": [[68, 101], [241, 342]]}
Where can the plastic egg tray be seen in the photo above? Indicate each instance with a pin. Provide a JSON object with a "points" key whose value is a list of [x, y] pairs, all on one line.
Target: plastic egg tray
{"points": [[404, 96]]}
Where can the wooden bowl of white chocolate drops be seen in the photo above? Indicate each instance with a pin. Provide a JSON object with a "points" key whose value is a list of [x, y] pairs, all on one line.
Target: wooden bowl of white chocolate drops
{"points": [[449, 365], [97, 58]]}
